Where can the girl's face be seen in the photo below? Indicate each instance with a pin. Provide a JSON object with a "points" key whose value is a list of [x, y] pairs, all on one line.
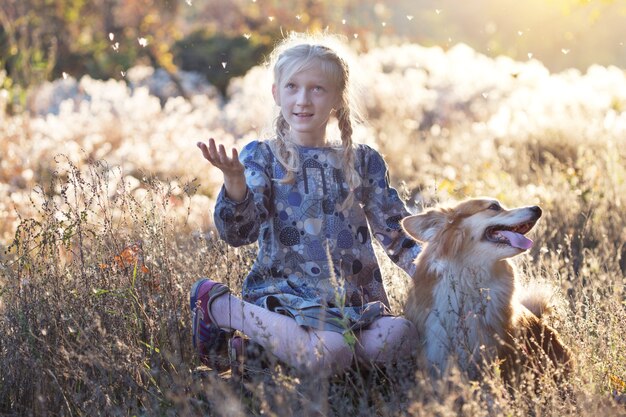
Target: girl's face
{"points": [[306, 100]]}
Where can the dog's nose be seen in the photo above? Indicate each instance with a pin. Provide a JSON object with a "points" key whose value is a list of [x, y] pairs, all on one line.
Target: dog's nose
{"points": [[536, 210]]}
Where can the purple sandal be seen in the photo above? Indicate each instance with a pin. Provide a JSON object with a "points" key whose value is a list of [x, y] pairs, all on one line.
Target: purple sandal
{"points": [[207, 336]]}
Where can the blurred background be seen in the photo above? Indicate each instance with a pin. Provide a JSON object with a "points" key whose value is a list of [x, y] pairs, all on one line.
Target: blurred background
{"points": [[47, 39]]}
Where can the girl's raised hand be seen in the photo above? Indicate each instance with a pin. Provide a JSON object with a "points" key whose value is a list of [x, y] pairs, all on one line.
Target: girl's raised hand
{"points": [[231, 167], [216, 155]]}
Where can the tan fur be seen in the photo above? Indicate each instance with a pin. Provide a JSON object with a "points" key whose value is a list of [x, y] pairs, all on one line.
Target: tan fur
{"points": [[465, 301]]}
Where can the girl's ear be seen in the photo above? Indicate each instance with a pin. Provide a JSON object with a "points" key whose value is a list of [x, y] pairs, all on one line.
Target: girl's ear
{"points": [[424, 227], [275, 94]]}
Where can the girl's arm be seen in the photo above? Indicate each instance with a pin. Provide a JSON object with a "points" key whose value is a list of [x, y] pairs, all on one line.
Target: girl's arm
{"points": [[242, 205], [384, 209], [233, 170]]}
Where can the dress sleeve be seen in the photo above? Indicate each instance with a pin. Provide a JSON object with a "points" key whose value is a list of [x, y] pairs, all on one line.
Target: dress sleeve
{"points": [[384, 210], [238, 223]]}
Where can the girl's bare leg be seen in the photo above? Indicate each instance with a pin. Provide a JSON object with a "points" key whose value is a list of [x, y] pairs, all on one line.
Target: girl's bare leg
{"points": [[387, 340], [305, 349]]}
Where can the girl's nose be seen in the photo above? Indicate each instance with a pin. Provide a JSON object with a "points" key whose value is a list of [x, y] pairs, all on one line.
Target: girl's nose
{"points": [[303, 97]]}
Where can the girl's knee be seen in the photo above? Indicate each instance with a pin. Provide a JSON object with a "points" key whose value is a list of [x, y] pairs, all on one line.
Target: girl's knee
{"points": [[389, 339], [405, 328], [396, 329]]}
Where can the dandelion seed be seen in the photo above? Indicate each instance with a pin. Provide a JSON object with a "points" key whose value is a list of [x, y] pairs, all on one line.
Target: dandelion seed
{"points": [[298, 17], [123, 73], [247, 35], [438, 11], [343, 21], [384, 24], [65, 75], [356, 35], [143, 42], [565, 51], [224, 65], [116, 46], [530, 55], [485, 95], [188, 2], [44, 332], [271, 18], [520, 33], [111, 36], [410, 17]]}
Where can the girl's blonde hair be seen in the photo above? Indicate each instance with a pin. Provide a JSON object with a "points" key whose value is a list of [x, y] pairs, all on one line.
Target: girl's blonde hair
{"points": [[296, 53]]}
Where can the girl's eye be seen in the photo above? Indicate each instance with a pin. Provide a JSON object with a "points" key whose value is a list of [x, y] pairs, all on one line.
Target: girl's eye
{"points": [[495, 206], [318, 88], [290, 85]]}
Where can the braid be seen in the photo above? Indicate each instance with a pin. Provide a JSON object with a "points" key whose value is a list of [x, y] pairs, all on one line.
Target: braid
{"points": [[286, 153], [352, 177]]}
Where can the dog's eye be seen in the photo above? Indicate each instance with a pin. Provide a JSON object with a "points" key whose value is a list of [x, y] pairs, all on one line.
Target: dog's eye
{"points": [[495, 206]]}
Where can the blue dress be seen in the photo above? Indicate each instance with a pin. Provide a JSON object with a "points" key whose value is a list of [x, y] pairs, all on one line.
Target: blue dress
{"points": [[316, 262]]}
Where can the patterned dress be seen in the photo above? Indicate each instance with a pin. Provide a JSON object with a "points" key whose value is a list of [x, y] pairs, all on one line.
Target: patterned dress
{"points": [[316, 262]]}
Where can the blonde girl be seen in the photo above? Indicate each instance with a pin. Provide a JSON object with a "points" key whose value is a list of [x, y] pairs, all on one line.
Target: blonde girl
{"points": [[313, 202]]}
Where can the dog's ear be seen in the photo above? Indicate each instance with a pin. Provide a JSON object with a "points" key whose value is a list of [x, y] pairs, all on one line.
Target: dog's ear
{"points": [[425, 226]]}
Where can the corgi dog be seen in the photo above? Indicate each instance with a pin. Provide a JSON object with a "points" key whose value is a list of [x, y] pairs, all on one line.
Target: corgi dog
{"points": [[465, 300]]}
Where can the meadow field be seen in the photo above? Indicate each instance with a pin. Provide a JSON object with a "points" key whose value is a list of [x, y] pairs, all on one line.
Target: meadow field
{"points": [[106, 221]]}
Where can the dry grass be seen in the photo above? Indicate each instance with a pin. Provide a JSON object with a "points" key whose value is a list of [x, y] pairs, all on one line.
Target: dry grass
{"points": [[98, 259]]}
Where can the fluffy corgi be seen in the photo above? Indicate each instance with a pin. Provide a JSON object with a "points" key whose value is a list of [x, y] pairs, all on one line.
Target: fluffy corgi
{"points": [[464, 300]]}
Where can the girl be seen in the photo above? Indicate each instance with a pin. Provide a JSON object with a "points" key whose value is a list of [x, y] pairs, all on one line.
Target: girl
{"points": [[313, 205]]}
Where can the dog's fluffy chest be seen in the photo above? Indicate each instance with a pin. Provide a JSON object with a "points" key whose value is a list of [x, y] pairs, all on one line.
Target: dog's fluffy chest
{"points": [[469, 311]]}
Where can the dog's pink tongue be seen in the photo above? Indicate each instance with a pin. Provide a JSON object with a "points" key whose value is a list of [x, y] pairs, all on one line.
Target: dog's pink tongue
{"points": [[517, 240]]}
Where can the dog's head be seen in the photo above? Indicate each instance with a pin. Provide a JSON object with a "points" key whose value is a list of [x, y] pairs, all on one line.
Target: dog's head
{"points": [[479, 229]]}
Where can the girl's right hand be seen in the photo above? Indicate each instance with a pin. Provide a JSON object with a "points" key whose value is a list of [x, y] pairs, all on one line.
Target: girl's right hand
{"points": [[231, 167]]}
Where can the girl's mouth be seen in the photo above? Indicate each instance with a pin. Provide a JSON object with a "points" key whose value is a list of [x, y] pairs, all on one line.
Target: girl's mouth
{"points": [[303, 114]]}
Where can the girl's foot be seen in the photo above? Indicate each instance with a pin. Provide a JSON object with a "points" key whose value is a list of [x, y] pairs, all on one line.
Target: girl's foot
{"points": [[245, 354], [207, 336]]}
